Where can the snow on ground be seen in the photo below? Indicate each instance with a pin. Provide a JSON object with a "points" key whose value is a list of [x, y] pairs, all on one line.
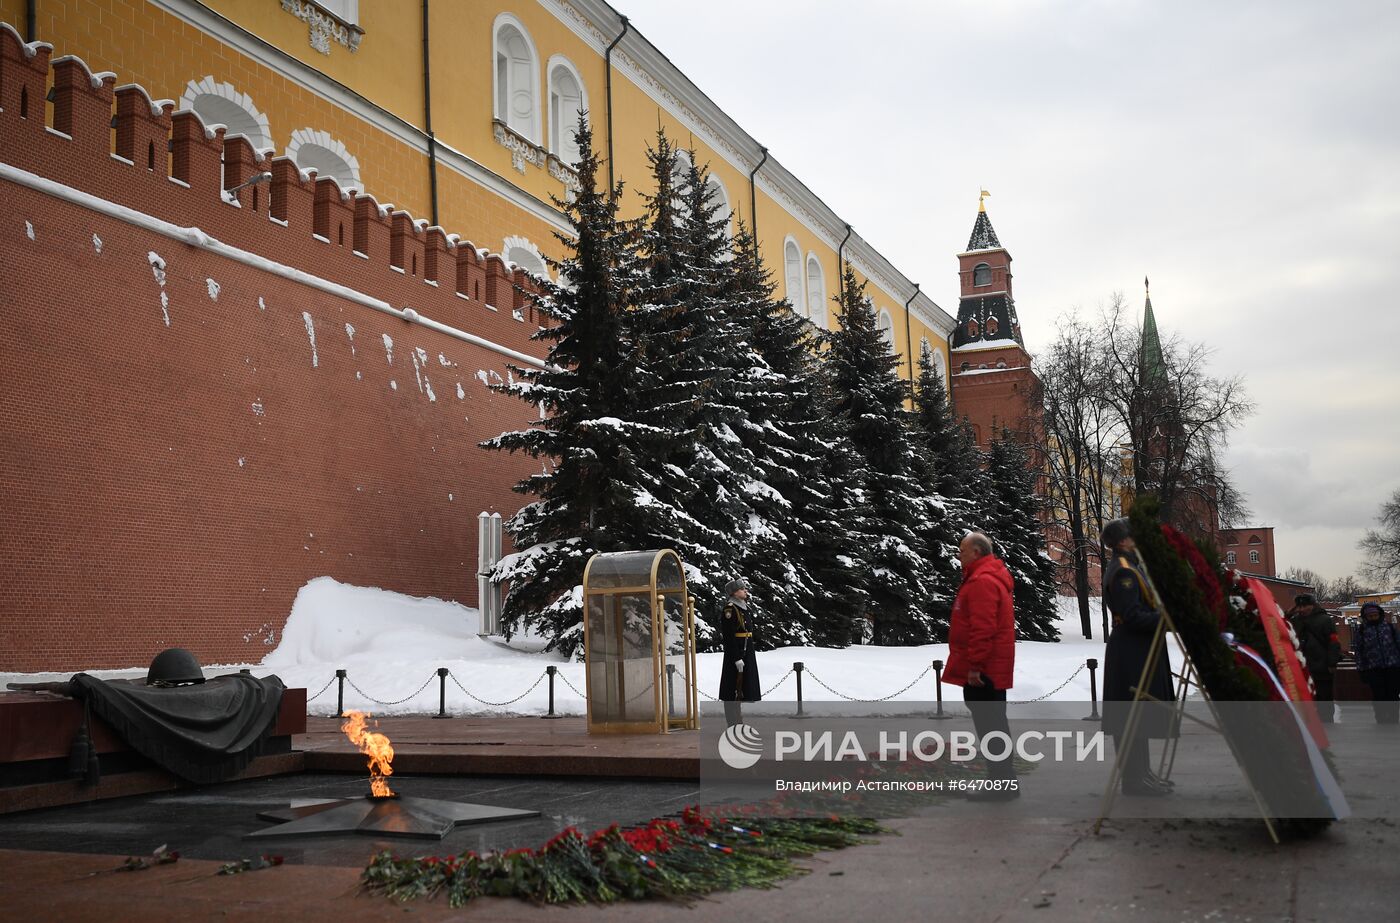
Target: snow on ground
{"points": [[391, 646]]}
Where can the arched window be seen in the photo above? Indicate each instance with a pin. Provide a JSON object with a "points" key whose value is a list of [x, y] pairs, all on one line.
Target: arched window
{"points": [[526, 255], [515, 78], [816, 291], [940, 364], [981, 274], [317, 150], [566, 98], [1254, 557], [680, 177], [221, 104], [885, 324], [972, 328], [1230, 557], [964, 367], [716, 196], [992, 327], [792, 272]]}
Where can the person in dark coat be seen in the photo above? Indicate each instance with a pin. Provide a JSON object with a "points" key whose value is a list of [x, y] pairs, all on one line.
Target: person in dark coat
{"points": [[738, 678], [1376, 646], [982, 654], [1317, 637], [1135, 623]]}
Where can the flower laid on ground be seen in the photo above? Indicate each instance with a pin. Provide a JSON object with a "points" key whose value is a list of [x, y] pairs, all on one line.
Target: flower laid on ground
{"points": [[700, 851], [161, 856], [249, 865]]}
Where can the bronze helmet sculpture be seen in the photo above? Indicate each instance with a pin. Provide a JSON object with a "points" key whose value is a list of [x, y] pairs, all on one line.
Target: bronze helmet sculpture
{"points": [[174, 667]]}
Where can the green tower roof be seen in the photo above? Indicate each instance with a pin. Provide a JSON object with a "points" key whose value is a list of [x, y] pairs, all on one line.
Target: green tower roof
{"points": [[1153, 363]]}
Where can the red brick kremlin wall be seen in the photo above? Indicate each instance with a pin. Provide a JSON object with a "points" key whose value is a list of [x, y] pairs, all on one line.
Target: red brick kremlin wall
{"points": [[189, 439]]}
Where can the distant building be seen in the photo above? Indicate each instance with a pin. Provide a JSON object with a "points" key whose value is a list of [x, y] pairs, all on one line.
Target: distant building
{"points": [[1249, 549]]}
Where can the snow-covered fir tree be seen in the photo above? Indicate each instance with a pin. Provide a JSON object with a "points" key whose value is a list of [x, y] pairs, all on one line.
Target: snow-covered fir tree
{"points": [[954, 462], [952, 466], [594, 492], [800, 557], [1015, 527], [691, 350], [904, 578]]}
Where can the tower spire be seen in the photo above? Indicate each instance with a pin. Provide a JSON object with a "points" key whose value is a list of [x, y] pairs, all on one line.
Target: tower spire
{"points": [[1153, 363], [983, 236]]}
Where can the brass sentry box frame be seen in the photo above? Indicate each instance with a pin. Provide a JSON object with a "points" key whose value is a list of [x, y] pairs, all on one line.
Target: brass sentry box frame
{"points": [[639, 644]]}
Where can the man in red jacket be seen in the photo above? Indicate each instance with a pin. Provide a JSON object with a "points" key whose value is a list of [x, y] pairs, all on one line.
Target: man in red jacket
{"points": [[982, 655]]}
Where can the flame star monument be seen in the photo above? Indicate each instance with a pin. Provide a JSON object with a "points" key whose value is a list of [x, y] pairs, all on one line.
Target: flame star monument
{"points": [[381, 812]]}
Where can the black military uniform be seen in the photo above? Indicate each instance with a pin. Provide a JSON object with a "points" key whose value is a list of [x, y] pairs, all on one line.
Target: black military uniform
{"points": [[736, 626], [1134, 625]]}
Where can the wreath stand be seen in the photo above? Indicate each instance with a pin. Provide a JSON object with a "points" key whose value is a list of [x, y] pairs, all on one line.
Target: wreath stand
{"points": [[1188, 677]]}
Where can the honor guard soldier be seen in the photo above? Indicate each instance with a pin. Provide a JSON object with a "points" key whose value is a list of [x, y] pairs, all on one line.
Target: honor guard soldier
{"points": [[738, 679], [1135, 622]]}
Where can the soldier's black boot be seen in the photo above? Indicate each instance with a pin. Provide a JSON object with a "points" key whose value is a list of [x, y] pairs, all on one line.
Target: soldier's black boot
{"points": [[733, 714]]}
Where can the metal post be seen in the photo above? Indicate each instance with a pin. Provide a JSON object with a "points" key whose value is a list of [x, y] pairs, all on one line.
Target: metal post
{"points": [[493, 589], [483, 567], [797, 667], [1093, 691], [442, 692], [670, 690], [938, 690], [551, 670], [340, 694]]}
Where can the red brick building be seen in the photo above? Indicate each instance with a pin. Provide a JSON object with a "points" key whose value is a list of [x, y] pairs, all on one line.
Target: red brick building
{"points": [[211, 399], [1249, 549], [991, 381]]}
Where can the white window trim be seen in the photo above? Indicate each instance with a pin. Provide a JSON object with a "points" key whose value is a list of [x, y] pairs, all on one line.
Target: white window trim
{"points": [[524, 243], [557, 61], [344, 10], [724, 199], [799, 303], [819, 314], [507, 19], [315, 136], [883, 318], [211, 87]]}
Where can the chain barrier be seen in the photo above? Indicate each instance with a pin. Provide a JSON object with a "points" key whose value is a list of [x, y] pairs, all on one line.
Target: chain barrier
{"points": [[1047, 695], [565, 680], [311, 698], [351, 683], [522, 695], [884, 698], [769, 691], [650, 689]]}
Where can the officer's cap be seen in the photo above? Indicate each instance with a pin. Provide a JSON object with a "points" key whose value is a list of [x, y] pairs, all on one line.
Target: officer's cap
{"points": [[1115, 531]]}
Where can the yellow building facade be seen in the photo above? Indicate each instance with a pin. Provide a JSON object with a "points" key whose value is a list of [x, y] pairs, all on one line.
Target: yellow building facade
{"points": [[460, 111]]}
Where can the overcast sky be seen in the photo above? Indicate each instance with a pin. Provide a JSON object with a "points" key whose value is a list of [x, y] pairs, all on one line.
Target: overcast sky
{"points": [[1245, 156]]}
